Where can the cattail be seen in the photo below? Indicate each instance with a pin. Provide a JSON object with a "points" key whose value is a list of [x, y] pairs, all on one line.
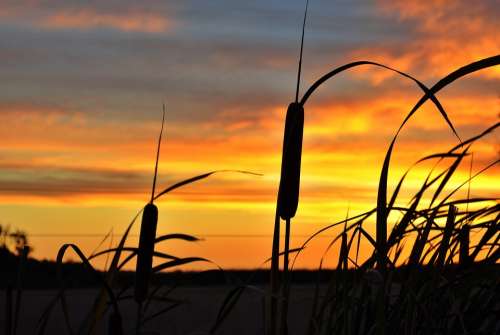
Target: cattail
{"points": [[145, 252], [288, 194], [147, 236]]}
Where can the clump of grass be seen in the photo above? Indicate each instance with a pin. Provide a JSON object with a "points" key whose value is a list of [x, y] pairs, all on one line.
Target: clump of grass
{"points": [[288, 195], [144, 253], [426, 293]]}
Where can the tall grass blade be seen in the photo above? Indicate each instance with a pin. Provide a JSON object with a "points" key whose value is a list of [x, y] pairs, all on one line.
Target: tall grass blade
{"points": [[301, 51], [448, 175], [488, 235], [360, 218], [104, 239], [99, 307], [274, 277], [157, 155], [445, 241], [132, 250], [286, 282]]}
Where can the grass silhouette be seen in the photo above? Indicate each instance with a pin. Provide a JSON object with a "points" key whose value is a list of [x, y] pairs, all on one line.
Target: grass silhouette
{"points": [[424, 275]]}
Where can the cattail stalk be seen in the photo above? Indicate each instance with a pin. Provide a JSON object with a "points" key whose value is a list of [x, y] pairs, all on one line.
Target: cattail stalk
{"points": [[147, 241], [288, 194]]}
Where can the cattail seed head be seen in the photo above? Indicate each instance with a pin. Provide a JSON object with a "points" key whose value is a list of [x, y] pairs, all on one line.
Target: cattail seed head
{"points": [[145, 252], [288, 195]]}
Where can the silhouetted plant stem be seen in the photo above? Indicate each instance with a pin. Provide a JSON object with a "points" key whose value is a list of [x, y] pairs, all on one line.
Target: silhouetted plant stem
{"points": [[147, 237], [273, 310], [286, 281], [288, 193]]}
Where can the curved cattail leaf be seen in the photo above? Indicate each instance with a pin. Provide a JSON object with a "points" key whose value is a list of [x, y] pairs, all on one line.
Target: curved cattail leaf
{"points": [[283, 253], [155, 254], [288, 194], [197, 178], [145, 252], [179, 262]]}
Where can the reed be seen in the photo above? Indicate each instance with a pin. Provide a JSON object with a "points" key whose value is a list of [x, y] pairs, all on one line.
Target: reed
{"points": [[288, 199], [147, 241], [288, 193]]}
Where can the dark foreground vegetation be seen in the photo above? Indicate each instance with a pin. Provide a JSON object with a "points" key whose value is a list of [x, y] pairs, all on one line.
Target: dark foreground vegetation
{"points": [[453, 299]]}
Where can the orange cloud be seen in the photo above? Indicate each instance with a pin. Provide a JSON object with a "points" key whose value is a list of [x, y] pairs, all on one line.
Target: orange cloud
{"points": [[88, 19], [71, 16], [446, 34]]}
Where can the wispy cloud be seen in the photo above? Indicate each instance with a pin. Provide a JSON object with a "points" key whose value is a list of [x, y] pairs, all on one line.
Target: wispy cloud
{"points": [[87, 19], [62, 15]]}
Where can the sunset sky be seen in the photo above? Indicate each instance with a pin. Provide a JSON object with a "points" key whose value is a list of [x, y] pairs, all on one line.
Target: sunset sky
{"points": [[82, 85]]}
